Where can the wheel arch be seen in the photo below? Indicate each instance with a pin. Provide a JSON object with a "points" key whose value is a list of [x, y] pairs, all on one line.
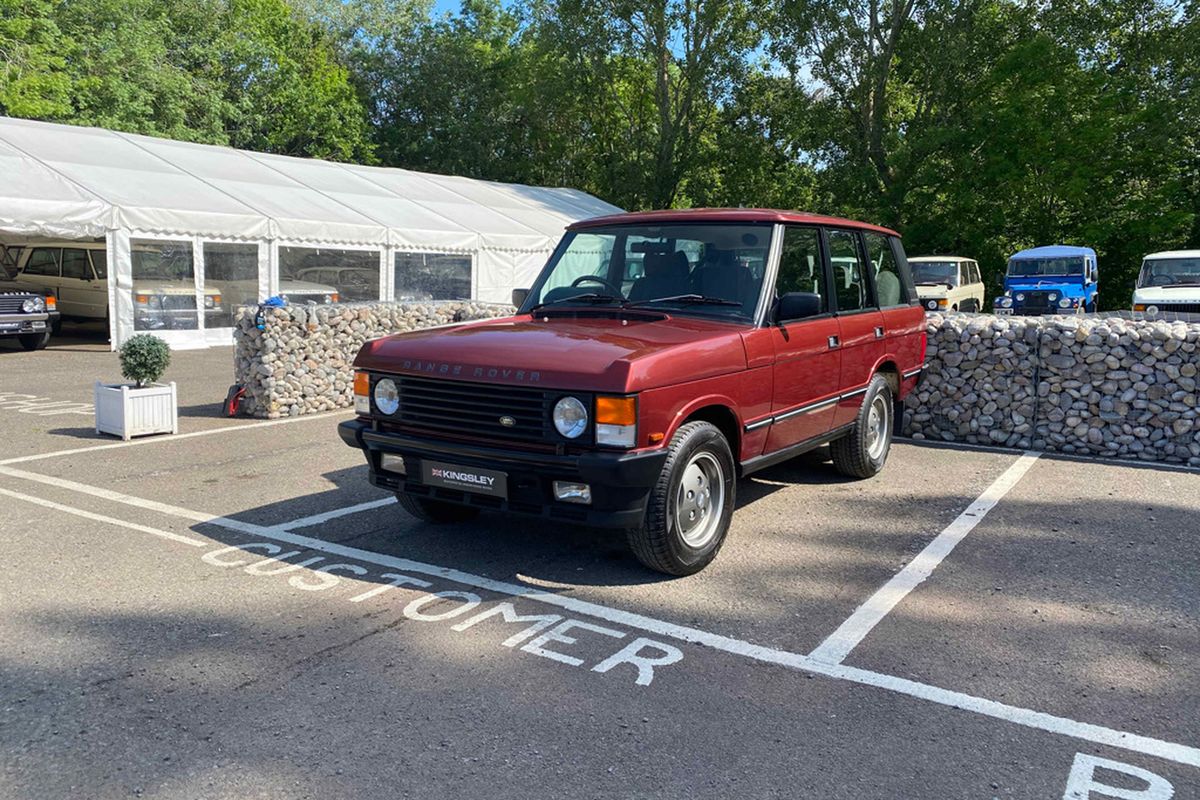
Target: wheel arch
{"points": [[720, 414]]}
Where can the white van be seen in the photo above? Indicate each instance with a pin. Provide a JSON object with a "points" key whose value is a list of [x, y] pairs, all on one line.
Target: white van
{"points": [[947, 283]]}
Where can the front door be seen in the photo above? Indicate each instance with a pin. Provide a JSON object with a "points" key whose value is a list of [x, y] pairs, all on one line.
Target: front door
{"points": [[807, 358], [860, 324]]}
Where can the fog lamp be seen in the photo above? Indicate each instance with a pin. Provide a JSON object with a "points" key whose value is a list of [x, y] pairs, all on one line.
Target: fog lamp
{"points": [[569, 492]]}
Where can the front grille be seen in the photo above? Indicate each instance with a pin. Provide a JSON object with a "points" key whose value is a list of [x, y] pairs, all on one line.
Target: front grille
{"points": [[11, 303], [474, 409], [1040, 299], [1178, 308], [178, 302]]}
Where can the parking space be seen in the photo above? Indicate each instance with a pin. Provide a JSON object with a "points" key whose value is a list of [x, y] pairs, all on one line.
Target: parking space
{"points": [[233, 610]]}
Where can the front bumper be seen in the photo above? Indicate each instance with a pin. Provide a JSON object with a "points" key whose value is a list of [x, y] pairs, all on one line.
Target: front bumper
{"points": [[26, 324], [620, 481]]}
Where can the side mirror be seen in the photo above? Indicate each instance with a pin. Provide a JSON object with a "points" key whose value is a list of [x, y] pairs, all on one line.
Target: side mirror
{"points": [[797, 305], [518, 297]]}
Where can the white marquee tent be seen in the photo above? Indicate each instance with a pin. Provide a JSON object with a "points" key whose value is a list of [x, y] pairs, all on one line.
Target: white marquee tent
{"points": [[192, 231]]}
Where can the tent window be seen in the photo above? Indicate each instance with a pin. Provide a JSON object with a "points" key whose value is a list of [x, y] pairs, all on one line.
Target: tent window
{"points": [[232, 271], [433, 276], [312, 273], [164, 288]]}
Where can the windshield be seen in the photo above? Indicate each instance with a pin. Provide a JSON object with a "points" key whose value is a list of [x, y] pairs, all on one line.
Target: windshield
{"points": [[1170, 272], [1072, 267], [926, 273], [701, 269]]}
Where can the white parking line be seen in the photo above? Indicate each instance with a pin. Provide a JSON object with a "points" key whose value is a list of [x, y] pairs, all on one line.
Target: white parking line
{"points": [[851, 632], [79, 512], [1096, 734], [317, 519], [173, 438]]}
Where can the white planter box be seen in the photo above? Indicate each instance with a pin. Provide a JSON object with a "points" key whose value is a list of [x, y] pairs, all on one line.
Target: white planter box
{"points": [[126, 411]]}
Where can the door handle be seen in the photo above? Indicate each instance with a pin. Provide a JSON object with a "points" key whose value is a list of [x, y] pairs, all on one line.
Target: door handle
{"points": [[833, 342], [878, 332]]}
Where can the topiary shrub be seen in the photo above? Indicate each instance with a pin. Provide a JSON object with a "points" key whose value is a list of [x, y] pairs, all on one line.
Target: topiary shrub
{"points": [[144, 358]]}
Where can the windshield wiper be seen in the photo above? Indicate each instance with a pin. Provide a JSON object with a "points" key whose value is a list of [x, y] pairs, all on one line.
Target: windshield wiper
{"points": [[587, 297], [686, 299]]}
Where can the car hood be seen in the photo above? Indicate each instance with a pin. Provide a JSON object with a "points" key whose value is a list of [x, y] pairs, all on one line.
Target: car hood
{"points": [[938, 290], [1166, 294], [304, 287], [1033, 285], [593, 351], [171, 289]]}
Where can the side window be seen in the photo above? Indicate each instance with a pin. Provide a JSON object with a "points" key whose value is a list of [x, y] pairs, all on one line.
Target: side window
{"points": [[43, 261], [75, 264], [888, 284], [100, 263], [800, 267], [975, 272], [910, 289], [849, 282]]}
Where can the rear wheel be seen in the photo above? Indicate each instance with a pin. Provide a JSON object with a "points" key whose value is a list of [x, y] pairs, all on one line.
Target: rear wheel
{"points": [[691, 505], [435, 511], [34, 341], [862, 452]]}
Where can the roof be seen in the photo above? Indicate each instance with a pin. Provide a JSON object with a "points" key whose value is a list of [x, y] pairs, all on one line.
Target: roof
{"points": [[1173, 254], [74, 182], [1053, 251], [742, 215], [920, 259]]}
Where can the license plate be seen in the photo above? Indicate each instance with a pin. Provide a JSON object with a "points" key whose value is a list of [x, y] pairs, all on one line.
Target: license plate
{"points": [[464, 479]]}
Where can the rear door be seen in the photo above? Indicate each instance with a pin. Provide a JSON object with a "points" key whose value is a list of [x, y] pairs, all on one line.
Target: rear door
{"points": [[903, 317], [79, 290], [807, 368], [861, 330]]}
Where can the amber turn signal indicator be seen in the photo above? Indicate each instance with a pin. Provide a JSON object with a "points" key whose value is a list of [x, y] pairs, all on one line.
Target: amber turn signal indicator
{"points": [[51, 302], [362, 384], [616, 411], [655, 438]]}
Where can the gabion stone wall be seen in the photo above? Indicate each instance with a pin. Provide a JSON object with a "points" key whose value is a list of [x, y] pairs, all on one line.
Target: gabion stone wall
{"points": [[301, 363], [1085, 385]]}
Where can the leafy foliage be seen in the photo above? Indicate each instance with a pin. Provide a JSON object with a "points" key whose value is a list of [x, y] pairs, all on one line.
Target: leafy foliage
{"points": [[144, 358]]}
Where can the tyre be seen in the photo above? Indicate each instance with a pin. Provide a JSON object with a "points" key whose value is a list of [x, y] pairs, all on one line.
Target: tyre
{"points": [[435, 511], [34, 341], [691, 504], [862, 452]]}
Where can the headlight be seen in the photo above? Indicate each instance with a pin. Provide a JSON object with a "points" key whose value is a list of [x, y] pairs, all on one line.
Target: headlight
{"points": [[33, 305], [387, 396], [1052, 296], [570, 417], [1020, 297], [1006, 302], [1152, 310], [1066, 302], [932, 304], [328, 298], [208, 301]]}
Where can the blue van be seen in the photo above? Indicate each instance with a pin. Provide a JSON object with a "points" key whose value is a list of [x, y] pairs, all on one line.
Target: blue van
{"points": [[1050, 280]]}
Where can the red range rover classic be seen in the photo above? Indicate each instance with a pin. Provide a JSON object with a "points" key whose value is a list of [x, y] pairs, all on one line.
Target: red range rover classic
{"points": [[657, 358]]}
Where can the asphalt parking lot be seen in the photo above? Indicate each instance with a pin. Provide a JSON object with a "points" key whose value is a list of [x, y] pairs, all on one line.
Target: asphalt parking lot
{"points": [[233, 612]]}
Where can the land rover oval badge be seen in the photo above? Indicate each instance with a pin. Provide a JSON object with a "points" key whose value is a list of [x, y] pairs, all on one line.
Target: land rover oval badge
{"points": [[507, 421]]}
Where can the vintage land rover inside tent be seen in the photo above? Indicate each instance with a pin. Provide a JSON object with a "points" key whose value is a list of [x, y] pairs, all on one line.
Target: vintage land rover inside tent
{"points": [[170, 237]]}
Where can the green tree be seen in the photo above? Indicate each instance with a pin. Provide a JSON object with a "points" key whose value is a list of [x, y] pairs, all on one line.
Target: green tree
{"points": [[33, 78]]}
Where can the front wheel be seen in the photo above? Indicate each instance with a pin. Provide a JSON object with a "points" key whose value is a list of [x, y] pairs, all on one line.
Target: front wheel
{"points": [[862, 452], [691, 504], [34, 341], [435, 511]]}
